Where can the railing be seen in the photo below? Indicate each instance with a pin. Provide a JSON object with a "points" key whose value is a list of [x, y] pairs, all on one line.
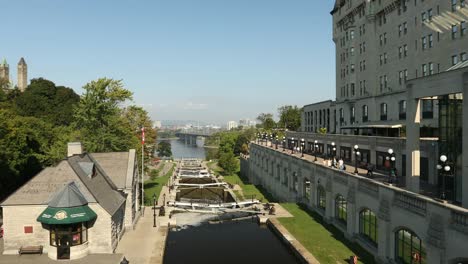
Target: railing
{"points": [[460, 221], [413, 204]]}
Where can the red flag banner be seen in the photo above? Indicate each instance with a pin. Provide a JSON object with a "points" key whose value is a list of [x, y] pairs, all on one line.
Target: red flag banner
{"points": [[142, 135]]}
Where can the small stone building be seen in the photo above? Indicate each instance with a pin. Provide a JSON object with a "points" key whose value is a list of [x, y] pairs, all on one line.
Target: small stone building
{"points": [[82, 205]]}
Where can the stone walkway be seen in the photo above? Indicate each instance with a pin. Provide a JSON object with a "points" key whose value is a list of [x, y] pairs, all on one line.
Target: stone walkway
{"points": [[144, 244]]}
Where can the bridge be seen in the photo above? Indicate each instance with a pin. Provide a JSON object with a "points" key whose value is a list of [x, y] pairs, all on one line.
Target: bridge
{"points": [[195, 137]]}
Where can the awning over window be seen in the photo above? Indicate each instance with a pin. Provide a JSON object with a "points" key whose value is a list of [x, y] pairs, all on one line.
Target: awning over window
{"points": [[63, 216]]}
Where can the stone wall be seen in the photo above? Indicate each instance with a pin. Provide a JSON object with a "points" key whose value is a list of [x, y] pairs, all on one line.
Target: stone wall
{"points": [[443, 228]]}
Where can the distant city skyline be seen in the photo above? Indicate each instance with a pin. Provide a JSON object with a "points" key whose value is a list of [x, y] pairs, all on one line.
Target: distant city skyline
{"points": [[206, 60]]}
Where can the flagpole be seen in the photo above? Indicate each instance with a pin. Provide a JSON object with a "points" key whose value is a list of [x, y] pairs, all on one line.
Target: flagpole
{"points": [[142, 168]]}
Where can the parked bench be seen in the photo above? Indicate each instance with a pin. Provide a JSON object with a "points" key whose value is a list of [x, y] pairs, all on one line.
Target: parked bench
{"points": [[30, 250]]}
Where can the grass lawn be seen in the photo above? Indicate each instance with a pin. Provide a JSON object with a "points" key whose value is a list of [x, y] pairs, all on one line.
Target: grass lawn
{"points": [[325, 242], [155, 186]]}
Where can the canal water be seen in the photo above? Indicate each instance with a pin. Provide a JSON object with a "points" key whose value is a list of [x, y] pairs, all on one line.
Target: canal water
{"points": [[181, 150], [230, 242]]}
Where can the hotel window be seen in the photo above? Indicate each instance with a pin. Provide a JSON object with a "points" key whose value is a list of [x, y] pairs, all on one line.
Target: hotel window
{"points": [[364, 65], [341, 117], [405, 48], [385, 81], [383, 111], [423, 17], [341, 212], [423, 43], [381, 39], [424, 69], [368, 226], [352, 117], [429, 14], [360, 48], [406, 75], [402, 109], [381, 59], [409, 248], [385, 58], [454, 5], [431, 68], [381, 83], [352, 34], [454, 59], [454, 31], [400, 77], [400, 52], [463, 28], [463, 57], [353, 89], [365, 113], [321, 198], [400, 30], [405, 27], [427, 109], [352, 51], [431, 42], [385, 38]]}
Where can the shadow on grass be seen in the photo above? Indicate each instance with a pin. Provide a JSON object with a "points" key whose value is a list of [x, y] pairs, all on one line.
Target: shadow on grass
{"points": [[149, 185], [361, 253]]}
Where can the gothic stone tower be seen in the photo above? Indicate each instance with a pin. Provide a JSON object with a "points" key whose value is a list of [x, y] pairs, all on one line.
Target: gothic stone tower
{"points": [[22, 75], [4, 70]]}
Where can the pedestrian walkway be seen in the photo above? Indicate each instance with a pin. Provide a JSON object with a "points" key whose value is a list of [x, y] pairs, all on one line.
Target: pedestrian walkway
{"points": [[144, 244]]}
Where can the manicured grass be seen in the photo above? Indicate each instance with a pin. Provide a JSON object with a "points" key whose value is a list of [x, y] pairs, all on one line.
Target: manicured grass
{"points": [[154, 186], [325, 242]]}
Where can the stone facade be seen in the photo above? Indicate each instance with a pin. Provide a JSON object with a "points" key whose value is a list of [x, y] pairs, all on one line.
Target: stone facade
{"points": [[441, 227]]}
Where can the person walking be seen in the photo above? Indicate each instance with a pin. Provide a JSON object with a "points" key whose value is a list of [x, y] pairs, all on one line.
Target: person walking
{"points": [[341, 164]]}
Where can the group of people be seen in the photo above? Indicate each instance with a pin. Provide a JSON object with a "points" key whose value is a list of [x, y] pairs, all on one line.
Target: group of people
{"points": [[337, 163]]}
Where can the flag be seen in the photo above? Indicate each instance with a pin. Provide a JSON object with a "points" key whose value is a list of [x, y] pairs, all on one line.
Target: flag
{"points": [[142, 135]]}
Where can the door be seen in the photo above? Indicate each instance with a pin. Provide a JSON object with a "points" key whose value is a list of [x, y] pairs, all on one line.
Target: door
{"points": [[63, 246]]}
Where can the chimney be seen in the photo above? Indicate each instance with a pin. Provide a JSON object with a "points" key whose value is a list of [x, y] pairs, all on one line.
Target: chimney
{"points": [[74, 148]]}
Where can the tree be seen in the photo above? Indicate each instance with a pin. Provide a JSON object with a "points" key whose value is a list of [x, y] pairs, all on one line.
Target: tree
{"points": [[42, 99], [228, 162], [266, 121], [138, 117], [164, 149], [98, 115], [290, 117]]}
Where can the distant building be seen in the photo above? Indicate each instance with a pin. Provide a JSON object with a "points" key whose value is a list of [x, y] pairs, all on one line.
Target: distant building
{"points": [[22, 73], [231, 125], [157, 124], [82, 205]]}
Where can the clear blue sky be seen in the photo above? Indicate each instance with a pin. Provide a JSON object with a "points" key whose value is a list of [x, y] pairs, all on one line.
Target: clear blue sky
{"points": [[206, 60]]}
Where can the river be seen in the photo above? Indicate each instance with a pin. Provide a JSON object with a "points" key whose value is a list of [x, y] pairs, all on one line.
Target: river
{"points": [[181, 150]]}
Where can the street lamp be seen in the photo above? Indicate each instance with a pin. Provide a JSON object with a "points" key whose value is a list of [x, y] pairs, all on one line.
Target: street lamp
{"points": [[284, 143], [444, 169], [391, 158], [302, 147], [333, 149], [292, 145], [154, 210], [315, 149], [271, 140], [276, 142], [356, 154]]}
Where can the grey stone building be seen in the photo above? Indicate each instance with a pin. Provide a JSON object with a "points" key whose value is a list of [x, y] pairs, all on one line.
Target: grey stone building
{"points": [[82, 205], [387, 51], [22, 73]]}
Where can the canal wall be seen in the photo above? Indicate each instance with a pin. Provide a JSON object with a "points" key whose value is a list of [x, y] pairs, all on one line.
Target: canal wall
{"points": [[346, 201], [292, 243]]}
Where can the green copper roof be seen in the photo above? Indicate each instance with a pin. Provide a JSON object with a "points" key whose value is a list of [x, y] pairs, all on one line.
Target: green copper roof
{"points": [[4, 62]]}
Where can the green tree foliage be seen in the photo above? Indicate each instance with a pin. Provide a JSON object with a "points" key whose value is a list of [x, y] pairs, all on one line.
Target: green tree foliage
{"points": [[290, 117], [266, 121], [164, 149], [44, 100], [100, 119], [138, 117], [228, 162]]}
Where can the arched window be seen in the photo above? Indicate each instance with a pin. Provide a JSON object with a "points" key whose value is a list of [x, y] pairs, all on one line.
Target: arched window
{"points": [[341, 212], [409, 248], [321, 199], [368, 225]]}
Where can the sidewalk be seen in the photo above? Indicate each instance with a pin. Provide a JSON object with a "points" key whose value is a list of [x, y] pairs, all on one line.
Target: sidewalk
{"points": [[144, 244]]}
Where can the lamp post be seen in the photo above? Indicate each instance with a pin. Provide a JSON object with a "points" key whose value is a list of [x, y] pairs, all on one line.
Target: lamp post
{"points": [[391, 158], [292, 145], [271, 140], [284, 143], [315, 149], [356, 154], [444, 169], [154, 210], [333, 153], [258, 138], [302, 147], [276, 142]]}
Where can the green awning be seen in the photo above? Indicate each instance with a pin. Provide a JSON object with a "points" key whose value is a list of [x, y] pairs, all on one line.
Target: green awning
{"points": [[66, 215]]}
